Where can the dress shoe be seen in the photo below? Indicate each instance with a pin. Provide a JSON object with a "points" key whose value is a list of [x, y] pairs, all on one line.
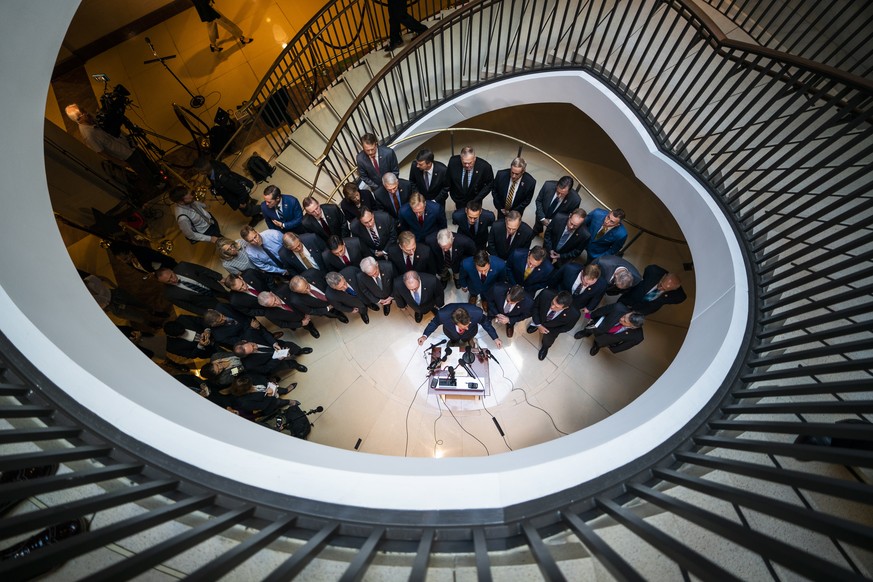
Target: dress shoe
{"points": [[473, 299], [386, 309], [278, 334], [510, 329], [342, 317], [531, 328], [300, 367], [365, 318], [484, 306], [286, 390], [305, 351], [417, 317], [584, 332], [244, 41], [373, 307], [594, 349], [393, 44], [215, 49], [312, 331], [543, 353]]}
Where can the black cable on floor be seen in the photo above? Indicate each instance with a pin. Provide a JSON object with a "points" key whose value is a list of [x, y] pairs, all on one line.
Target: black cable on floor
{"points": [[511, 383]]}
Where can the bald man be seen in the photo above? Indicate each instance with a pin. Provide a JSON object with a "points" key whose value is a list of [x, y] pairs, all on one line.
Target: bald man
{"points": [[658, 288]]}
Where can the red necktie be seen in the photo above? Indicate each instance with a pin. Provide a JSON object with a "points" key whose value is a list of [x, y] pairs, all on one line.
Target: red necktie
{"points": [[324, 226], [483, 276], [317, 294], [286, 307], [345, 259], [421, 219], [376, 164], [615, 328], [408, 262], [395, 201]]}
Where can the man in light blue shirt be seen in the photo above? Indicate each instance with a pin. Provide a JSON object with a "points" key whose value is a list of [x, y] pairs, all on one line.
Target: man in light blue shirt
{"points": [[263, 249]]}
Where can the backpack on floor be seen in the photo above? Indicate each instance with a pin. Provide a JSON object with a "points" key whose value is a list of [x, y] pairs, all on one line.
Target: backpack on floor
{"points": [[259, 169], [297, 423]]}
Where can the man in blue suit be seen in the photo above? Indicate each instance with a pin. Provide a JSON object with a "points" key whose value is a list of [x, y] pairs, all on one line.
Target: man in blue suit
{"points": [[460, 324], [608, 234], [281, 211], [479, 273], [421, 217], [529, 269], [509, 305]]}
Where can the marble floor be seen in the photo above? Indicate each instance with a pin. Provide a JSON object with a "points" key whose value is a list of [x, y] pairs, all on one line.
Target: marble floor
{"points": [[371, 379]]}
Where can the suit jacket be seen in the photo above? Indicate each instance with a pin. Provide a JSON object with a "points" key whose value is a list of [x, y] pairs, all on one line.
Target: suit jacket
{"points": [[306, 303], [565, 321], [608, 244], [385, 228], [434, 220], [544, 201], [384, 203], [355, 250], [634, 297], [422, 260], [539, 277], [609, 263], [471, 280], [292, 214], [371, 290], [480, 183], [191, 301], [314, 245], [233, 329], [444, 318], [350, 211], [496, 298], [589, 298], [462, 247], [497, 239], [387, 163], [439, 182], [574, 245], [431, 294], [617, 342], [480, 238], [342, 300], [336, 223], [520, 199], [189, 348]]}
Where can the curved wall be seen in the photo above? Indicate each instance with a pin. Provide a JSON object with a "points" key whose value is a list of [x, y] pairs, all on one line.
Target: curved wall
{"points": [[53, 320]]}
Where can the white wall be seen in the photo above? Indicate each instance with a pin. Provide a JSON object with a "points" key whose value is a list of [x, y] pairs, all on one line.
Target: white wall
{"points": [[52, 319]]}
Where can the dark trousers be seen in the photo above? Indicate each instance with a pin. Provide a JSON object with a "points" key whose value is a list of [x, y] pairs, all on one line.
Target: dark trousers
{"points": [[397, 15]]}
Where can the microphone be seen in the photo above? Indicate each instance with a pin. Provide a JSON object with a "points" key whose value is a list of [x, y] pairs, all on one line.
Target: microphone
{"points": [[488, 354], [149, 42], [468, 356], [433, 365], [467, 367], [439, 343]]}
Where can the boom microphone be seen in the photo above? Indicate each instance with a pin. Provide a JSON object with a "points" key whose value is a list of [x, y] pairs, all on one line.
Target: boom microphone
{"points": [[488, 354], [149, 42], [435, 364], [439, 343]]}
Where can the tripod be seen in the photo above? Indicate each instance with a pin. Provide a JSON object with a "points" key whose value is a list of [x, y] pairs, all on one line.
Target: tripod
{"points": [[196, 100]]}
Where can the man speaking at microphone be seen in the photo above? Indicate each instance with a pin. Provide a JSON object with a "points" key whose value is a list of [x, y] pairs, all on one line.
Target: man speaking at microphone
{"points": [[460, 323]]}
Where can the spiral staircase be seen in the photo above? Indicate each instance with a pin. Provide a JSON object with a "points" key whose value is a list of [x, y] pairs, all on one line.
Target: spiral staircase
{"points": [[764, 479]]}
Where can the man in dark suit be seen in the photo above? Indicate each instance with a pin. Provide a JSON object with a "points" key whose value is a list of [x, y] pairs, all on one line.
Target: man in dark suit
{"points": [[281, 211], [566, 237], [553, 314], [375, 230], [244, 290], [374, 161], [228, 326], [421, 217], [474, 223], [323, 220], [620, 275], [344, 294], [509, 304], [469, 177], [530, 269], [280, 313], [430, 178], [657, 288], [355, 199], [421, 292], [302, 252], [608, 234], [192, 287], [513, 188], [408, 255], [187, 338], [343, 252], [376, 280], [586, 285], [448, 250], [509, 234], [555, 197], [461, 324], [308, 293], [479, 273], [392, 195], [614, 326], [267, 359]]}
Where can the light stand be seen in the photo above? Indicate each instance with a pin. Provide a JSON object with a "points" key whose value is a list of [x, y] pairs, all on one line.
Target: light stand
{"points": [[196, 100]]}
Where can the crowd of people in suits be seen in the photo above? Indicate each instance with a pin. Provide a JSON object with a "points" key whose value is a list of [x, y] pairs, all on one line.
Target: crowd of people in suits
{"points": [[388, 242]]}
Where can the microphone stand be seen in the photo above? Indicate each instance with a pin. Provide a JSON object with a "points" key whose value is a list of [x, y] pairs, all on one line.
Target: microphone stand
{"points": [[196, 100]]}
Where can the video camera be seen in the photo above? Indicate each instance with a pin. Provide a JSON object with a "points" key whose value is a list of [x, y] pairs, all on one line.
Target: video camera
{"points": [[113, 105]]}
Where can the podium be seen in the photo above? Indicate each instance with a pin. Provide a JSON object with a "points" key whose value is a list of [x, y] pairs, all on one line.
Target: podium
{"points": [[464, 384]]}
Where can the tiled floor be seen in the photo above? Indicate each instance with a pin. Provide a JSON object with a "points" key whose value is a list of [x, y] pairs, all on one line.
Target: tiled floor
{"points": [[370, 379]]}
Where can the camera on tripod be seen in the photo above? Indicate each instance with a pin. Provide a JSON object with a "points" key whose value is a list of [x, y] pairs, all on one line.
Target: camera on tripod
{"points": [[113, 105]]}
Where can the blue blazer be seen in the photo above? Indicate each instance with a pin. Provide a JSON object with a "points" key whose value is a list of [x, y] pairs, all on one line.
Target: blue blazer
{"points": [[434, 220], [292, 214], [608, 244], [588, 299], [497, 298], [444, 318], [538, 278], [471, 280]]}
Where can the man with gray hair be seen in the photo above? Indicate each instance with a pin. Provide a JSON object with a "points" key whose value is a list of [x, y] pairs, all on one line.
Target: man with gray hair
{"points": [[421, 292], [392, 195], [513, 188], [614, 326], [448, 249], [376, 280], [620, 275], [346, 296]]}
